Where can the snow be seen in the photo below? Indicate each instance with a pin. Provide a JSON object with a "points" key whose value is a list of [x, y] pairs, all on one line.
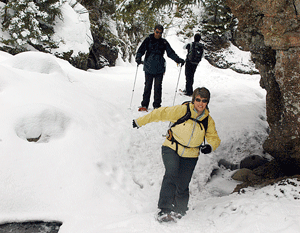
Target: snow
{"points": [[91, 170], [73, 30]]}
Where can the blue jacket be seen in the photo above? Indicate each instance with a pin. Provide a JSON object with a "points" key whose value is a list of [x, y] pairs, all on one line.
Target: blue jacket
{"points": [[154, 62]]}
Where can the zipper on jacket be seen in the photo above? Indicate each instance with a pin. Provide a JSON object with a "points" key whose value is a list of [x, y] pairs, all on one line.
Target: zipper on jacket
{"points": [[194, 127]]}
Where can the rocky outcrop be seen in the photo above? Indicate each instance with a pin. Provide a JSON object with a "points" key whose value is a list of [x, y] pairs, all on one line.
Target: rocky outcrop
{"points": [[270, 30], [31, 226], [245, 175]]}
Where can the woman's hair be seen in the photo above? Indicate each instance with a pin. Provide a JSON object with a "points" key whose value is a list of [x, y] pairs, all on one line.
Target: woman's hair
{"points": [[203, 92]]}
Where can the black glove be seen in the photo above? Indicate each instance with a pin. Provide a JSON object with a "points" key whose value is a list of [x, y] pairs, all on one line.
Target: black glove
{"points": [[181, 61], [139, 60], [134, 125], [206, 149]]}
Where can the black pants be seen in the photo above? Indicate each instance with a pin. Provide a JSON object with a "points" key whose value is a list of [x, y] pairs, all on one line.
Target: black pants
{"points": [[190, 70], [157, 89], [174, 193]]}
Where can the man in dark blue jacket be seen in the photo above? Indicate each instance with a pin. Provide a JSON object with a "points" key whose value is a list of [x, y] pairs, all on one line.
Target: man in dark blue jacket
{"points": [[154, 65]]}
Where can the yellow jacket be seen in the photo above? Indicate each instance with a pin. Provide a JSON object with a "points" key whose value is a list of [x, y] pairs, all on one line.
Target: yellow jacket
{"points": [[188, 133]]}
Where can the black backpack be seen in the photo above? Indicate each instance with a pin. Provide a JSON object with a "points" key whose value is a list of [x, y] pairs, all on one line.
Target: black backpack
{"points": [[195, 53], [183, 119]]}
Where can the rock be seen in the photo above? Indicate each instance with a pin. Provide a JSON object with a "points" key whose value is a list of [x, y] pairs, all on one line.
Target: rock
{"points": [[31, 227], [34, 139], [245, 175], [253, 161], [228, 165], [270, 31]]}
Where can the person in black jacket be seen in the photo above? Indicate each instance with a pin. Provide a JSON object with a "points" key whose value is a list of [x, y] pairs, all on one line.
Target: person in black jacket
{"points": [[191, 66], [154, 65]]}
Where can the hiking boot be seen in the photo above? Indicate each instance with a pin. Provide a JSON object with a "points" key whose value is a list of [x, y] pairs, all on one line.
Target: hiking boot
{"points": [[177, 215], [165, 216], [187, 94], [143, 109]]}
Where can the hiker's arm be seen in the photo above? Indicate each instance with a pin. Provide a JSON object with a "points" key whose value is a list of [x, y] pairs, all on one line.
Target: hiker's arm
{"points": [[211, 134], [186, 46], [162, 114], [171, 53], [142, 49]]}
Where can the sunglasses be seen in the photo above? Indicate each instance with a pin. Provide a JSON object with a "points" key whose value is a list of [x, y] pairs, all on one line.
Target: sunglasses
{"points": [[203, 101], [157, 32]]}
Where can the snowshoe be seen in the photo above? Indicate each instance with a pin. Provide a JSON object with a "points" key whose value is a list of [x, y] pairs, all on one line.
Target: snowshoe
{"points": [[183, 92], [143, 109], [163, 216], [177, 215]]}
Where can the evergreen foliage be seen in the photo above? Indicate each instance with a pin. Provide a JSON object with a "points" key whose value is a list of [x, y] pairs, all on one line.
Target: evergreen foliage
{"points": [[102, 19], [134, 20], [118, 26], [137, 18], [218, 21], [30, 22]]}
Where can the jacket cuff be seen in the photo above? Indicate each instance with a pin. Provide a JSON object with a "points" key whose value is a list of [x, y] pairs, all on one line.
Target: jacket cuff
{"points": [[137, 124]]}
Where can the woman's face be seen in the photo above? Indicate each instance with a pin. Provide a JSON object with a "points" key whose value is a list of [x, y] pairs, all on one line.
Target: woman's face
{"points": [[200, 104]]}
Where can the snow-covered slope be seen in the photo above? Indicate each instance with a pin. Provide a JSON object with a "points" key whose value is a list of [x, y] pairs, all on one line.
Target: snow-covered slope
{"points": [[91, 170]]}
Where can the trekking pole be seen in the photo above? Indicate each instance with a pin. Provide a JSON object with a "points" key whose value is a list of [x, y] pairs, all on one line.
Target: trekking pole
{"points": [[177, 85], [133, 85]]}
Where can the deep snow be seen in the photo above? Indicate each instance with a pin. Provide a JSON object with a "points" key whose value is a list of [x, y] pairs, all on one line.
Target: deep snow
{"points": [[91, 170]]}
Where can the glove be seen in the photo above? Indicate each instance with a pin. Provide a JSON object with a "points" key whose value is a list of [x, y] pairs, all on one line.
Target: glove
{"points": [[134, 125], [206, 149], [139, 61], [181, 61]]}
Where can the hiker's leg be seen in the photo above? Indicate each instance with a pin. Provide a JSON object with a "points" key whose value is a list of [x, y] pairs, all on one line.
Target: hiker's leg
{"points": [[147, 90], [193, 70], [186, 169], [168, 186], [189, 75], [157, 90]]}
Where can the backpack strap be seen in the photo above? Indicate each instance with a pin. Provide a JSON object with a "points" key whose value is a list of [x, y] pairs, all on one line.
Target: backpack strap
{"points": [[183, 119], [205, 124], [186, 116]]}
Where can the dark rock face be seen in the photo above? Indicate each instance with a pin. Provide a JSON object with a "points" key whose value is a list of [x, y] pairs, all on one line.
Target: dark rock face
{"points": [[30, 227], [270, 30], [101, 55]]}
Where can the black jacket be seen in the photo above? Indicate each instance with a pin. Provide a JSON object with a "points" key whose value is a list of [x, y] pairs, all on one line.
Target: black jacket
{"points": [[154, 62]]}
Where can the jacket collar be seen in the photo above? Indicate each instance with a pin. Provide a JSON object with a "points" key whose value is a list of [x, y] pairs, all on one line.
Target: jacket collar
{"points": [[194, 113], [151, 36]]}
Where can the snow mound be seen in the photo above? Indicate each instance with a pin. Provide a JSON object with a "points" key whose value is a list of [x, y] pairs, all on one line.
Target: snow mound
{"points": [[74, 29], [41, 123], [4, 55], [35, 62], [8, 78]]}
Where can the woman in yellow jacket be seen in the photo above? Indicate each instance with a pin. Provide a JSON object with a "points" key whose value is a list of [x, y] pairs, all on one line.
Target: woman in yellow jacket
{"points": [[181, 149]]}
